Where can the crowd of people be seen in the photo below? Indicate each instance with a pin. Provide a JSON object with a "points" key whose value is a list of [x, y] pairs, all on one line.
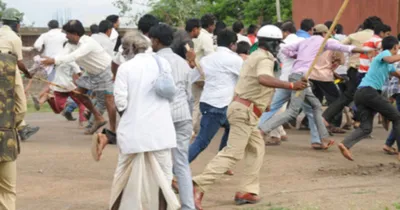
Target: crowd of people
{"points": [[175, 88]]}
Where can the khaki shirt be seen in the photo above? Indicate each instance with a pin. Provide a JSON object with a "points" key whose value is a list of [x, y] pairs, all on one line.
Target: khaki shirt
{"points": [[357, 39], [260, 62], [10, 42]]}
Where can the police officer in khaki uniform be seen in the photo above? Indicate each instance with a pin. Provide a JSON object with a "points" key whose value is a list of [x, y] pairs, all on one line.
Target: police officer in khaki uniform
{"points": [[253, 93], [11, 42]]}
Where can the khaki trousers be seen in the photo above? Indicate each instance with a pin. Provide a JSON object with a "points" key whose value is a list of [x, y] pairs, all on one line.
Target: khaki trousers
{"points": [[244, 142], [196, 115], [8, 180], [20, 99]]}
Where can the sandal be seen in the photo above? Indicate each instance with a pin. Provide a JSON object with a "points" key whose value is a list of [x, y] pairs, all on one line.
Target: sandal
{"points": [[273, 142], [334, 129], [318, 146], [347, 127], [391, 151]]}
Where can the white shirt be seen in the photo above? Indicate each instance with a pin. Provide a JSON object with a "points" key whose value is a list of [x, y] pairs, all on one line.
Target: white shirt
{"points": [[146, 124], [342, 69], [88, 54], [287, 63], [241, 38], [63, 77], [114, 37], [52, 41], [203, 44], [105, 42], [221, 71]]}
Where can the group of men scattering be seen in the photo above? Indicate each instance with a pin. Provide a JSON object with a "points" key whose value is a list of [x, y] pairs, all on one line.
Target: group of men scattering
{"points": [[223, 80]]}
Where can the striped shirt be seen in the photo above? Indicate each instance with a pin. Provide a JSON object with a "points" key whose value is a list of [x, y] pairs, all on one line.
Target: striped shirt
{"points": [[365, 59], [181, 105]]}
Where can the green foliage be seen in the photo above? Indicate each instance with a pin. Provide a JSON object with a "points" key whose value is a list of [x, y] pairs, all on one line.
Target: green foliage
{"points": [[3, 6], [176, 12], [265, 11]]}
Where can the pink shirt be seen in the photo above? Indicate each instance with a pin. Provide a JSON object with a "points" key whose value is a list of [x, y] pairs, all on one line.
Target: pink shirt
{"points": [[324, 68], [305, 51]]}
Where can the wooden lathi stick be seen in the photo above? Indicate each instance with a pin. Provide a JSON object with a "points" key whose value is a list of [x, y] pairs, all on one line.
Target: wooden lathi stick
{"points": [[321, 49]]}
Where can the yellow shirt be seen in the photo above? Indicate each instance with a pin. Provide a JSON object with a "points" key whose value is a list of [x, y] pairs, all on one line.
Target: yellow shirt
{"points": [[260, 62], [10, 42], [357, 39]]}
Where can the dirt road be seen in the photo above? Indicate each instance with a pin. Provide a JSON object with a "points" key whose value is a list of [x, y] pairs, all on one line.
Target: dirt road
{"points": [[56, 172]]}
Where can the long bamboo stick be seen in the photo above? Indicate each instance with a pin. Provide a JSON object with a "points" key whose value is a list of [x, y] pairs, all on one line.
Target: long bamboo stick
{"points": [[335, 22]]}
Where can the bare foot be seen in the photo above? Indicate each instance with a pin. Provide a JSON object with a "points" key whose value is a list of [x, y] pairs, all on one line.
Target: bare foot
{"points": [[345, 152], [99, 142], [229, 172], [328, 142], [398, 156], [284, 138]]}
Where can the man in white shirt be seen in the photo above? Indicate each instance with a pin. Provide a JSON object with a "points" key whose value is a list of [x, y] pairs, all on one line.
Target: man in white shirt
{"points": [[89, 54], [238, 28], [221, 71], [145, 161], [203, 46], [104, 35], [114, 19], [162, 37], [52, 41]]}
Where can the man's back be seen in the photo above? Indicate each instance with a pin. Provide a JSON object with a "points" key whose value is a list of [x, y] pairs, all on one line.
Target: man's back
{"points": [[105, 42], [10, 42], [52, 41], [357, 39]]}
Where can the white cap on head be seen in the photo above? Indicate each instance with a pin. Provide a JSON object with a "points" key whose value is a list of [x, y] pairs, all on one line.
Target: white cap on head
{"points": [[270, 31]]}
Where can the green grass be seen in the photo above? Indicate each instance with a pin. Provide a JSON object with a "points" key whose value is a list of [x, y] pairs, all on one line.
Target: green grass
{"points": [[45, 108]]}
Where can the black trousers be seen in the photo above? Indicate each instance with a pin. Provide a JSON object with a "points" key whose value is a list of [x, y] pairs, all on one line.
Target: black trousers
{"points": [[345, 98], [368, 102]]}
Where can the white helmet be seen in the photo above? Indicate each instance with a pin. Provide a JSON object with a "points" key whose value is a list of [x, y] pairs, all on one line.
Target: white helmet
{"points": [[270, 31]]}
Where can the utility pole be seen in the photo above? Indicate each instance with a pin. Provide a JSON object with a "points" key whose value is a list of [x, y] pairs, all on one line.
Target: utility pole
{"points": [[278, 10]]}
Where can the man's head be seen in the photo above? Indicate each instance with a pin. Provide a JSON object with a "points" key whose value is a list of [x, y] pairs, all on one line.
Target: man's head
{"points": [[114, 19], [320, 30], [12, 18], [161, 36], [208, 22], [269, 38], [307, 25], [387, 30], [106, 27], [53, 24], [146, 22], [390, 43], [339, 29], [74, 30], [287, 29], [133, 43], [382, 30], [219, 26], [252, 30], [94, 29], [371, 22], [329, 24], [193, 27], [227, 38], [238, 27], [243, 47]]}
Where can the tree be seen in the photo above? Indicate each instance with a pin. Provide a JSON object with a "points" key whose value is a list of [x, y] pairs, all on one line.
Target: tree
{"points": [[126, 6], [176, 12], [265, 11]]}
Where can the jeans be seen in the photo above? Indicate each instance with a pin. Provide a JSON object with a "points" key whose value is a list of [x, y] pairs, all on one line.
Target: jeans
{"points": [[293, 111], [392, 136], [71, 105], [212, 119], [369, 101], [282, 96], [346, 98], [181, 166]]}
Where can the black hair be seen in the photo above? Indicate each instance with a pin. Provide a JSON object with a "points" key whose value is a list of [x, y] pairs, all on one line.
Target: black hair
{"points": [[104, 26], [226, 37], [65, 43], [398, 37], [267, 22], [207, 20], [389, 42], [243, 47], [113, 18], [387, 28], [372, 22], [53, 24], [278, 24], [146, 22], [94, 29], [328, 24], [307, 24], [74, 27], [288, 27], [163, 32], [339, 29], [12, 24], [192, 24], [237, 26], [252, 29], [219, 26]]}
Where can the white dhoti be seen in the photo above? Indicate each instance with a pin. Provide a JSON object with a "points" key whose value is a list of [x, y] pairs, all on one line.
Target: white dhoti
{"points": [[139, 177]]}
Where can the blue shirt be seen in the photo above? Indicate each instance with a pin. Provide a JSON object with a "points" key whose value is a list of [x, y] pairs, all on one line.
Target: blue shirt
{"points": [[379, 72], [303, 34]]}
